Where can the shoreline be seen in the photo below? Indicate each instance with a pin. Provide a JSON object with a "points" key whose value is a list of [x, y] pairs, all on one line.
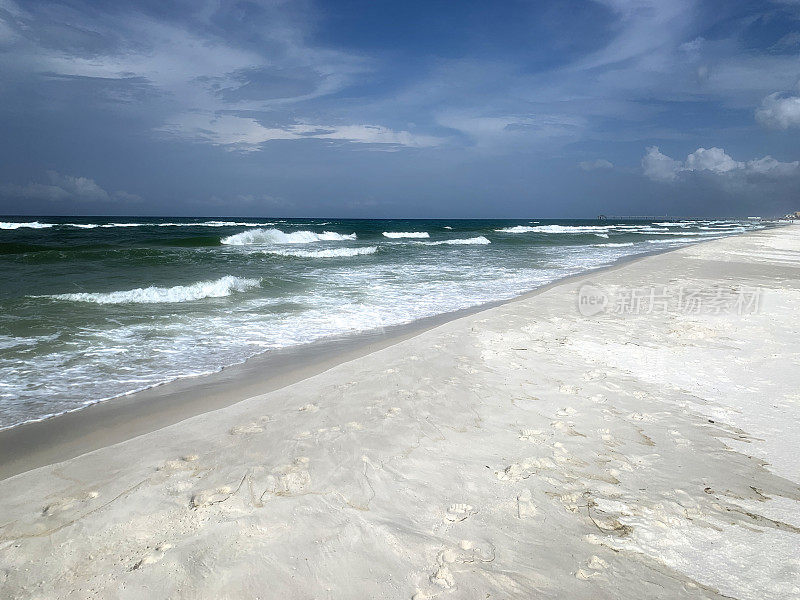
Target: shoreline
{"points": [[103, 423], [526, 450]]}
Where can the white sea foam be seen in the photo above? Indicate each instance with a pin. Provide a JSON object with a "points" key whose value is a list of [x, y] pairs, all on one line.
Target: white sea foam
{"points": [[685, 233], [330, 253], [27, 225], [218, 288], [602, 235], [276, 236], [480, 240], [616, 245], [168, 224], [217, 224], [554, 229], [672, 240], [406, 234], [517, 229], [37, 225]]}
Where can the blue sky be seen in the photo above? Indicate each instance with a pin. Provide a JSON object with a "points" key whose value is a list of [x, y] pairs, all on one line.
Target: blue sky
{"points": [[400, 109]]}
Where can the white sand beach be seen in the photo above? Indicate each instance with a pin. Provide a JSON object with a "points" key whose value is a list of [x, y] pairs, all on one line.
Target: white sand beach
{"points": [[525, 451]]}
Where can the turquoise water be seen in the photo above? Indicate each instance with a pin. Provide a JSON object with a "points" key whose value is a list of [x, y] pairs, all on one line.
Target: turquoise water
{"points": [[94, 308]]}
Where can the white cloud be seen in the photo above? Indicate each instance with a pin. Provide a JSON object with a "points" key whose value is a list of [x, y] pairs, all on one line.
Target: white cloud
{"points": [[660, 167], [643, 27], [65, 187], [493, 132], [779, 111], [81, 188], [593, 165], [713, 159], [196, 73], [246, 134], [716, 161], [771, 167]]}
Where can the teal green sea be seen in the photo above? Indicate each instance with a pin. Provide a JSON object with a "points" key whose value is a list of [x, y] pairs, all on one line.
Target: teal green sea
{"points": [[94, 308]]}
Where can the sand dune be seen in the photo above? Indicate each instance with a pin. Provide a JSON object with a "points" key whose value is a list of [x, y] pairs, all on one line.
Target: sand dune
{"points": [[526, 451]]}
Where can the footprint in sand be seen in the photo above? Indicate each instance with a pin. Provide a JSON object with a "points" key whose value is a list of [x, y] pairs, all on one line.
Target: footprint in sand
{"points": [[65, 504], [525, 506], [212, 496], [252, 427], [592, 569], [443, 577], [566, 427], [594, 375], [525, 468], [467, 552], [153, 557], [459, 512], [608, 440], [182, 464], [290, 480], [530, 435]]}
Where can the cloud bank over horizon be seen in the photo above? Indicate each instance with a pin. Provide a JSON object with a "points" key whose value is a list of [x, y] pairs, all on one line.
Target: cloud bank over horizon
{"points": [[715, 161], [353, 108]]}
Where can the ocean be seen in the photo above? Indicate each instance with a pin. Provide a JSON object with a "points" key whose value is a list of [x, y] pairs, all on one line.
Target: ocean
{"points": [[93, 308]]}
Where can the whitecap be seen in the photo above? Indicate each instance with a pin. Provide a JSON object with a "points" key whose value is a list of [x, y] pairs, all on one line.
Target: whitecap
{"points": [[217, 224], [480, 240], [553, 229], [218, 288], [329, 253], [406, 234], [276, 236], [26, 224]]}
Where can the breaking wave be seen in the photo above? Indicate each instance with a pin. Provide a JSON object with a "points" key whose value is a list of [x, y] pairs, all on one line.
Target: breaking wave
{"points": [[406, 234], [218, 288], [460, 241], [554, 229], [276, 236], [330, 253], [27, 224]]}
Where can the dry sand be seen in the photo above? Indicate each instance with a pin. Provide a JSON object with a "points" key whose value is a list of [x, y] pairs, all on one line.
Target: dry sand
{"points": [[525, 451]]}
